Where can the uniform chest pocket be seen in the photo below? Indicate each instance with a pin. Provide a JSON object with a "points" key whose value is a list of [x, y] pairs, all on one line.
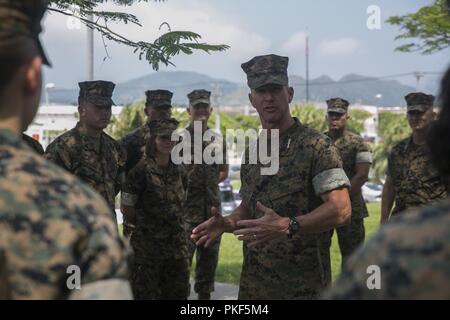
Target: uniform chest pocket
{"points": [[286, 198]]}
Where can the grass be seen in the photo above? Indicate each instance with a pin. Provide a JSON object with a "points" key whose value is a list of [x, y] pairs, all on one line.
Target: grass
{"points": [[230, 260]]}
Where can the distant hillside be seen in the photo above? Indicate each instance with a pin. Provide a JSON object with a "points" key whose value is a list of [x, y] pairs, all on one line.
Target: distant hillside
{"points": [[355, 88]]}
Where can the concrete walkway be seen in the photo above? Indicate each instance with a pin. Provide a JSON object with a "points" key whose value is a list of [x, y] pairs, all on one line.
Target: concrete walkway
{"points": [[223, 291]]}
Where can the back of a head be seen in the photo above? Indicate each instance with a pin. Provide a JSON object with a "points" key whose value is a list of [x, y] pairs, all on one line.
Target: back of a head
{"points": [[439, 136], [19, 32]]}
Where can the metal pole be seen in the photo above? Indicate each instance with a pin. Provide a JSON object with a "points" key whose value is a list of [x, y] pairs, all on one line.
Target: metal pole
{"points": [[307, 67], [46, 96], [418, 76], [90, 51]]}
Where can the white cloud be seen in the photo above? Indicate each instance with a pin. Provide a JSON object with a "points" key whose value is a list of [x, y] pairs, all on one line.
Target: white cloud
{"points": [[342, 47], [295, 43]]}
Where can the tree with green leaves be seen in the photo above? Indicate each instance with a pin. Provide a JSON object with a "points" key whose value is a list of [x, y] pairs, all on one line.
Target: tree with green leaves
{"points": [[430, 26], [392, 128], [314, 117], [159, 51]]}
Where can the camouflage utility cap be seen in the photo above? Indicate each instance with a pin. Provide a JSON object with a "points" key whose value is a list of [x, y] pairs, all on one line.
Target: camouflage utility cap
{"points": [[98, 92], [419, 101], [163, 127], [159, 98], [338, 105], [22, 19], [199, 96], [264, 70]]}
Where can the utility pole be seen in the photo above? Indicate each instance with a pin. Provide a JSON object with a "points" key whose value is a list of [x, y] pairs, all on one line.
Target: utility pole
{"points": [[90, 50], [307, 66], [418, 75]]}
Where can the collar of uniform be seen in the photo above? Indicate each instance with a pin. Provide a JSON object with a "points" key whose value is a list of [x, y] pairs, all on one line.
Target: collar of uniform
{"points": [[92, 142], [153, 166], [293, 128], [411, 145], [342, 136], [7, 137]]}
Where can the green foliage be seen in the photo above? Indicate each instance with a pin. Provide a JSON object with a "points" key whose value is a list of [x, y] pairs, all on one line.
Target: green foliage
{"points": [[162, 50], [131, 117], [392, 128], [314, 118], [430, 26], [310, 116], [357, 118]]}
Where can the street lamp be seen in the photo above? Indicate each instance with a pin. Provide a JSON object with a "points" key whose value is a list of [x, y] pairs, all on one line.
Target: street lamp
{"points": [[47, 87]]}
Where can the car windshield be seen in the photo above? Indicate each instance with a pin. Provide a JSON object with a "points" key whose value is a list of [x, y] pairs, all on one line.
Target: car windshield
{"points": [[374, 186], [226, 196]]}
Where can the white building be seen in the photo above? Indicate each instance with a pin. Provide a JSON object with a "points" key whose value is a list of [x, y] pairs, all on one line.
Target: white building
{"points": [[53, 120]]}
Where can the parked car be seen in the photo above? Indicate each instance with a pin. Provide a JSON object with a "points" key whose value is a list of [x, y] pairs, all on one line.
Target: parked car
{"points": [[234, 171], [372, 192], [237, 197], [227, 201]]}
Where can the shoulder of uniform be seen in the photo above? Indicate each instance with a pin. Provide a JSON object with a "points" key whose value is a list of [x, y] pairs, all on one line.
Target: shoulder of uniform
{"points": [[400, 146], [65, 138], [311, 137]]}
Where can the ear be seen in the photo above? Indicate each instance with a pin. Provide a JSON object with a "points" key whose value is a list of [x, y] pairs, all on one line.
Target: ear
{"points": [[250, 98], [146, 110], [81, 110], [188, 109], [33, 76], [291, 94]]}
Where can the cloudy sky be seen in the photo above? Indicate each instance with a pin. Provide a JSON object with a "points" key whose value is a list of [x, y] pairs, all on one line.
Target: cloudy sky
{"points": [[340, 41]]}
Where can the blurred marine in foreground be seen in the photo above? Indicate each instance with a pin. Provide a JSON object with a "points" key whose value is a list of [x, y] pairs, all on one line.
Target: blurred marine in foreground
{"points": [[52, 226]]}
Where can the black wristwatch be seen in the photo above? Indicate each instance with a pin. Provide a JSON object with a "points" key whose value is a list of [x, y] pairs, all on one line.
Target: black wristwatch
{"points": [[293, 227]]}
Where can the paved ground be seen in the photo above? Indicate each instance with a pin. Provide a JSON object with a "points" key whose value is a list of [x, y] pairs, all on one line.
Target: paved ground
{"points": [[223, 291]]}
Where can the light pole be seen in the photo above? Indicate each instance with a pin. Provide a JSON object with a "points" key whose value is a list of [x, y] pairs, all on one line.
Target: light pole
{"points": [[47, 87]]}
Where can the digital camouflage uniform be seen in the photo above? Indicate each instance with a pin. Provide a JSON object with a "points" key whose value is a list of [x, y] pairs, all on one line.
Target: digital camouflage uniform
{"points": [[412, 253], [202, 194], [97, 161], [159, 240], [33, 144], [353, 150], [416, 180], [49, 219], [134, 142], [297, 268]]}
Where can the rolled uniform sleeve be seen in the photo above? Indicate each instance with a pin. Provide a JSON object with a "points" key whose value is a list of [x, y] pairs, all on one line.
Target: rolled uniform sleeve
{"points": [[328, 174], [363, 153], [134, 185]]}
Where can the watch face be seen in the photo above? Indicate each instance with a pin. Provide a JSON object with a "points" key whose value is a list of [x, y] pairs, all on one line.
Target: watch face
{"points": [[293, 225]]}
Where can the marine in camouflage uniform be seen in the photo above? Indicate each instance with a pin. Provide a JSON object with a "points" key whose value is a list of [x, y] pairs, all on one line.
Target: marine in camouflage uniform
{"points": [[415, 180], [156, 195], [203, 192], [282, 261], [96, 159], [412, 253], [158, 105], [33, 144], [49, 219], [356, 158]]}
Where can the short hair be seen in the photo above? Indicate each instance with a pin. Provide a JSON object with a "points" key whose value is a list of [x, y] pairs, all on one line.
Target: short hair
{"points": [[13, 55]]}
